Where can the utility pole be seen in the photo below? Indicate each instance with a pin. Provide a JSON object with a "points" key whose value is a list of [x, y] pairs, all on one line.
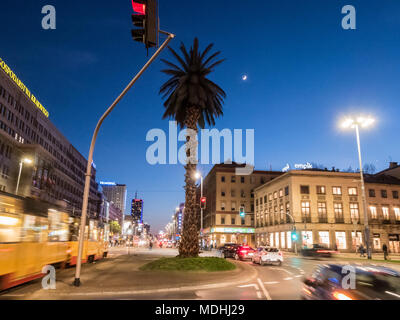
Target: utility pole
{"points": [[91, 151]]}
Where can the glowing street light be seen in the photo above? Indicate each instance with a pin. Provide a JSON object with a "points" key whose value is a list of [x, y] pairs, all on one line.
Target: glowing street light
{"points": [[198, 176], [356, 123], [26, 161]]}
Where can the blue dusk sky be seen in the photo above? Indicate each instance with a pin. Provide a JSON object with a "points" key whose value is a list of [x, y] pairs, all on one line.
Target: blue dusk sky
{"points": [[304, 73]]}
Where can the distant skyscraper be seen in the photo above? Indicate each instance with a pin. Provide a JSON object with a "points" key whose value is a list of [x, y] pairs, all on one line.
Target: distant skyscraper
{"points": [[115, 193], [137, 210]]}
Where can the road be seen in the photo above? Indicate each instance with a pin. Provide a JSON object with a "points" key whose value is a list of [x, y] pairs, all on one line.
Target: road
{"points": [[267, 282]]}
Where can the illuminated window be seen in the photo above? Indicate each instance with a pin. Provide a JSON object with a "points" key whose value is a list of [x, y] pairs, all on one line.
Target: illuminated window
{"points": [[305, 209], [354, 213], [397, 213], [275, 195], [337, 191], [338, 209], [374, 213], [352, 191], [281, 193], [385, 213], [321, 190]]}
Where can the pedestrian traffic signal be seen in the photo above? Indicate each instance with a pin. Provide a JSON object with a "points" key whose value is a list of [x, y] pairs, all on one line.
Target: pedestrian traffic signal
{"points": [[242, 212], [146, 19], [203, 202]]}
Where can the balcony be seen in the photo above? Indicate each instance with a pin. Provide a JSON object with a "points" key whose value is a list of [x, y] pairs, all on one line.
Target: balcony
{"points": [[386, 221], [323, 219], [306, 219], [339, 220]]}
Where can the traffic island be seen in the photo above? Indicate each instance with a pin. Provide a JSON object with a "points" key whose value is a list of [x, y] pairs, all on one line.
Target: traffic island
{"points": [[200, 264]]}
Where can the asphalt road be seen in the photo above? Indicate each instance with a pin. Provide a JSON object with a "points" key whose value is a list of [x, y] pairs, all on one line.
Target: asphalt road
{"points": [[270, 283]]}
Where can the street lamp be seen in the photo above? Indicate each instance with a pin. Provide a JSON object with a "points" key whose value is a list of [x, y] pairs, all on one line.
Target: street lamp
{"points": [[356, 123], [198, 176], [27, 161]]}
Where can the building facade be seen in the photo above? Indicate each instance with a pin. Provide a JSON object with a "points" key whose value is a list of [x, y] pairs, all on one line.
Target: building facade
{"points": [[137, 210], [325, 207], [115, 193], [226, 193], [57, 170]]}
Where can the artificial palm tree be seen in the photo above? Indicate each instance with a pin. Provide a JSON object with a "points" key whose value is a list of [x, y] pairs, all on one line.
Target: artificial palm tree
{"points": [[192, 100]]}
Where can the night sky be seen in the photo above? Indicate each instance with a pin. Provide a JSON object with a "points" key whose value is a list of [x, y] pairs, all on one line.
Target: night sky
{"points": [[304, 73]]}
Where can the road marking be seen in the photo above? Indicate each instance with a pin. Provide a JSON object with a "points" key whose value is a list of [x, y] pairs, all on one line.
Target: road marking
{"points": [[271, 282], [291, 273], [298, 276], [264, 290], [286, 279], [250, 285]]}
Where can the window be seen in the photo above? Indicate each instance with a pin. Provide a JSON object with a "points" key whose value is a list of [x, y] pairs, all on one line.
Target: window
{"points": [[233, 205], [223, 193], [371, 193], [270, 197], [385, 213], [374, 213], [223, 206], [395, 194], [233, 193], [243, 221], [304, 189], [286, 191], [233, 221], [242, 180], [305, 210], [222, 220], [397, 214], [354, 212], [261, 201], [222, 179], [281, 193], [288, 219], [384, 193], [233, 179], [321, 190], [242, 194], [322, 214], [352, 191], [337, 191], [265, 199], [338, 209], [275, 195], [257, 202]]}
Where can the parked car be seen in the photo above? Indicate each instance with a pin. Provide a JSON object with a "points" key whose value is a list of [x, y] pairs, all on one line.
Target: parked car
{"points": [[268, 255], [228, 250], [243, 253], [370, 283], [317, 250]]}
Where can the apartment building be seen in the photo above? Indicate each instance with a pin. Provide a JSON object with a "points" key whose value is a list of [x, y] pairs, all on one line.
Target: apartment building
{"points": [[226, 193], [326, 208], [56, 171]]}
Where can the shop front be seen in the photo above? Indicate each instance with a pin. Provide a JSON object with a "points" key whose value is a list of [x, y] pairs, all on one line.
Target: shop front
{"points": [[394, 243], [219, 236]]}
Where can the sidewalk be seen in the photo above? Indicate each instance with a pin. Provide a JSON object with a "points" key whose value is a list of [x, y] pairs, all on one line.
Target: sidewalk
{"points": [[121, 276]]}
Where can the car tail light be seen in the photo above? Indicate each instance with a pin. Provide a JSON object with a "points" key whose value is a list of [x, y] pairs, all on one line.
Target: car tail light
{"points": [[341, 296]]}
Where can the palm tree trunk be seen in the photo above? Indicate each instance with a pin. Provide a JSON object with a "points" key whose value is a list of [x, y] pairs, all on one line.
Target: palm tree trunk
{"points": [[189, 246]]}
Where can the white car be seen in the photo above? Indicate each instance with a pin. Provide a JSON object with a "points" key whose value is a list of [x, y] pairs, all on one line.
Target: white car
{"points": [[267, 255]]}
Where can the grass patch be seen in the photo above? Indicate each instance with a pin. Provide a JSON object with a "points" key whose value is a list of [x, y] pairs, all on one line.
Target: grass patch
{"points": [[210, 264]]}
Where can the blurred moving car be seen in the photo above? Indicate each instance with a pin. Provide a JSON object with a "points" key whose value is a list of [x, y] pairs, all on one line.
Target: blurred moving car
{"points": [[317, 250], [244, 253], [268, 255], [370, 283], [228, 250], [169, 244]]}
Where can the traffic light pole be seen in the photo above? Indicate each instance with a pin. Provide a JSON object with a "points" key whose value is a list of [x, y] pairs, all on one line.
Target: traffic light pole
{"points": [[86, 192]]}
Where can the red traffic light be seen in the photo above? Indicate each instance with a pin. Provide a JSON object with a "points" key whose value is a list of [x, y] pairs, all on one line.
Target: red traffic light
{"points": [[139, 8], [203, 200]]}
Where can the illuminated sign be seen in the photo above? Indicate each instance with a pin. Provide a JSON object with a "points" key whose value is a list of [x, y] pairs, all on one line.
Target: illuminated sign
{"points": [[23, 88], [298, 166], [233, 230], [108, 183]]}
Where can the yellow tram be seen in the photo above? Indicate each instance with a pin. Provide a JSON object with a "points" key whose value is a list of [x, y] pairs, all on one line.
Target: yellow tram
{"points": [[34, 234]]}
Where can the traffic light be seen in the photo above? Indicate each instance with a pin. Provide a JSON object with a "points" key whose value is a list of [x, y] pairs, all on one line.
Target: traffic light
{"points": [[242, 212], [203, 202], [146, 19], [294, 236]]}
